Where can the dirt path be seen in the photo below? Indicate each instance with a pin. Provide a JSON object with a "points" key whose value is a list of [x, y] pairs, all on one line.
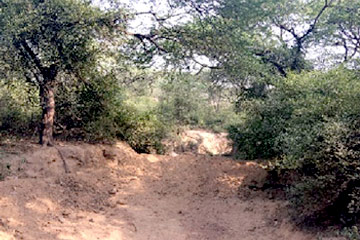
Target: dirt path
{"points": [[114, 194]]}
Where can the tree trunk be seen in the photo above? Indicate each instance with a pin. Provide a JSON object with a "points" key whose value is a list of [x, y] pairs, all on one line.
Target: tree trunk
{"points": [[47, 100]]}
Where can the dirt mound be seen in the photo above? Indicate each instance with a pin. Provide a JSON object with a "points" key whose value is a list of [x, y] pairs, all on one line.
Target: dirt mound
{"points": [[113, 193], [203, 142]]}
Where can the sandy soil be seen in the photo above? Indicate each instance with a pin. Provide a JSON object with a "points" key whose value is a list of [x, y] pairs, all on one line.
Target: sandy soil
{"points": [[113, 193]]}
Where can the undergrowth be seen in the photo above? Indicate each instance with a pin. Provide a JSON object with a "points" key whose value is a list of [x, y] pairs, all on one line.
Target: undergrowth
{"points": [[309, 125]]}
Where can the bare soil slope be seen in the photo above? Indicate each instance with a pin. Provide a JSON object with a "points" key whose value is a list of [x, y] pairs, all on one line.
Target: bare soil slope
{"points": [[113, 193]]}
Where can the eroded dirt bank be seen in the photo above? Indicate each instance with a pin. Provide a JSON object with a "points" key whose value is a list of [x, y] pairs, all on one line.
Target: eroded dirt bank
{"points": [[113, 193]]}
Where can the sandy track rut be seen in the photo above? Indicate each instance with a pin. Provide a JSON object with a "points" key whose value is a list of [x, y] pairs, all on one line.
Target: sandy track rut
{"points": [[112, 193]]}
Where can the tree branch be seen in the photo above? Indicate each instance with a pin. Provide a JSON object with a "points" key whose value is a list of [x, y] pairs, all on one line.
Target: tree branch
{"points": [[149, 38], [31, 55], [300, 39], [316, 20]]}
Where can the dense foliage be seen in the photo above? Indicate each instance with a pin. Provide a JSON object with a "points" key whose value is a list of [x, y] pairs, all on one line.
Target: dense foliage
{"points": [[91, 111], [193, 101], [49, 42], [310, 124], [19, 109]]}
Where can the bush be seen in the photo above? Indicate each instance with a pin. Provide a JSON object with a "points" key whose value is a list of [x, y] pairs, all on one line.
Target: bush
{"points": [[96, 110], [87, 110], [186, 100], [19, 109], [92, 110], [310, 124], [261, 122], [143, 131]]}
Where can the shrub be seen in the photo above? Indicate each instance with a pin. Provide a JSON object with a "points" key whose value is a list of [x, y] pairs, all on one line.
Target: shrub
{"points": [[261, 122], [92, 110], [97, 111], [181, 100], [143, 131], [320, 142], [19, 109], [310, 124], [87, 110], [187, 100]]}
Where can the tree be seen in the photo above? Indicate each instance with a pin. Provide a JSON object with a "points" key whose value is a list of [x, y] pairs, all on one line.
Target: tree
{"points": [[243, 41], [246, 38], [341, 29], [49, 41]]}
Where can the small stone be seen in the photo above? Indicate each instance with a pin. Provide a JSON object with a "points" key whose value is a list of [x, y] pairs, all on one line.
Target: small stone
{"points": [[113, 191], [61, 219], [252, 229], [108, 154], [2, 224], [65, 214], [120, 203]]}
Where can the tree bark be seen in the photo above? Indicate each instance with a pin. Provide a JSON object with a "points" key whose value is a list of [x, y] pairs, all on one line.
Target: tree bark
{"points": [[47, 100]]}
